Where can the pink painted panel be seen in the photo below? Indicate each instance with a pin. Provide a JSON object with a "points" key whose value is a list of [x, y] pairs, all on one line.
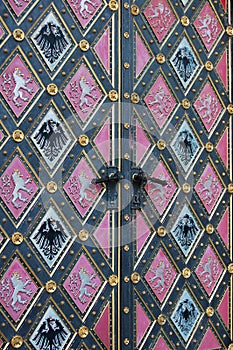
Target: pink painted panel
{"points": [[102, 327], [102, 48], [142, 55], [102, 234], [85, 11], [143, 143], [222, 68], [19, 6], [142, 322], [143, 231], [161, 345], [102, 141], [223, 228], [223, 308], [209, 342], [222, 148]]}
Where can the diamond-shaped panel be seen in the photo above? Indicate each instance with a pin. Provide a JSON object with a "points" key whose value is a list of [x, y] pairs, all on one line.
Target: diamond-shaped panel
{"points": [[83, 283], [208, 26], [186, 230], [160, 275], [160, 101], [161, 344], [18, 6], [162, 189], [185, 315], [209, 341], [80, 189], [185, 62], [85, 10], [160, 17], [208, 106], [209, 188], [185, 146], [17, 290], [209, 270]]}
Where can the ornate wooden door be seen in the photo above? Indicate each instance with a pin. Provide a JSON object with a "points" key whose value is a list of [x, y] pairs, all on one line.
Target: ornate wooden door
{"points": [[116, 175]]}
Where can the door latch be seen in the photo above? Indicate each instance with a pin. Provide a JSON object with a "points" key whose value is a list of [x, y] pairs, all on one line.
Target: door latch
{"points": [[139, 180], [111, 179]]}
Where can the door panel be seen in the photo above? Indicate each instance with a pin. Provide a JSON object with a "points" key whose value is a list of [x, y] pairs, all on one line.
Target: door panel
{"points": [[115, 199]]}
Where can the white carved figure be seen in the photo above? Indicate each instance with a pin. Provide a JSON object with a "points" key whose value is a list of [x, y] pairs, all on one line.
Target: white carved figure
{"points": [[161, 103], [83, 8], [19, 3], [80, 185], [7, 84], [162, 189], [161, 16], [20, 84], [79, 283], [210, 189], [86, 91], [162, 274], [208, 27], [210, 271], [209, 105]]}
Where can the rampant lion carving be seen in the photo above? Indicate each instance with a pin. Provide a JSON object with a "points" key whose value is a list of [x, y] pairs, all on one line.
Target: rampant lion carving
{"points": [[81, 289]]}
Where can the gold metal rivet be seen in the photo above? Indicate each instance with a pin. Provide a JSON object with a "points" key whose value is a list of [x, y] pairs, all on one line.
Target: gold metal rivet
{"points": [[126, 35], [126, 248], [160, 58], [83, 140], [51, 187], [17, 341], [113, 95], [52, 89], [126, 217], [126, 341], [162, 231], [18, 34], [126, 95], [209, 147], [126, 156], [230, 268], [186, 104], [230, 109], [126, 310], [184, 21], [17, 238], [209, 66], [161, 320], [161, 144], [230, 188], [135, 10], [83, 235], [229, 30], [209, 229], [113, 5], [113, 280], [126, 65], [84, 45], [83, 332], [126, 5], [126, 279], [127, 126], [18, 135], [135, 97], [186, 187], [135, 277], [186, 273], [51, 286], [209, 311]]}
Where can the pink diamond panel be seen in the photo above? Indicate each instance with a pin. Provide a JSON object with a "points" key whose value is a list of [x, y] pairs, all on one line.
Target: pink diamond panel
{"points": [[82, 283], [102, 327], [17, 290], [142, 231], [102, 48], [208, 106], [208, 26], [17, 187], [160, 275], [142, 55], [83, 93], [142, 322], [102, 234], [143, 143], [160, 17], [85, 10], [18, 87], [223, 228], [209, 188], [19, 6], [209, 342], [162, 189], [222, 148], [161, 345], [222, 69], [103, 142], [80, 189], [209, 270], [223, 308], [160, 101]]}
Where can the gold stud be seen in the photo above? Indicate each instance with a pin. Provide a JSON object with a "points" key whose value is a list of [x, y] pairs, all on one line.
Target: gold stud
{"points": [[126, 217], [230, 268], [209, 229], [230, 188], [184, 21], [126, 248], [135, 277], [83, 235], [113, 95], [126, 95], [127, 126], [83, 332], [186, 104], [84, 45], [126, 156], [17, 238], [229, 30], [126, 341], [230, 109], [126, 35], [126, 65], [135, 10], [17, 341], [209, 66], [186, 273], [162, 231], [113, 5], [83, 140], [135, 98], [161, 320], [126, 5], [161, 144], [126, 310], [51, 187], [160, 58], [186, 187], [209, 311], [18, 34], [52, 89], [18, 135], [209, 146], [51, 286], [113, 280]]}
